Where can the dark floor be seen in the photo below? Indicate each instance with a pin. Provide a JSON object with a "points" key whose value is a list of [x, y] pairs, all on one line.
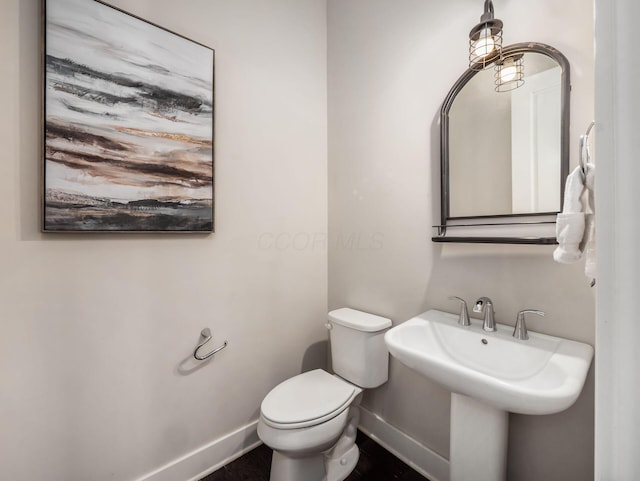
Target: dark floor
{"points": [[375, 464]]}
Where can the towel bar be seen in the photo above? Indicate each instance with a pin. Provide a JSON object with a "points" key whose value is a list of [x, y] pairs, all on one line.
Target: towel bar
{"points": [[206, 333]]}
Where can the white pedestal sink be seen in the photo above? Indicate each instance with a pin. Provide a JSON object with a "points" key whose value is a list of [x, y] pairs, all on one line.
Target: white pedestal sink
{"points": [[489, 374]]}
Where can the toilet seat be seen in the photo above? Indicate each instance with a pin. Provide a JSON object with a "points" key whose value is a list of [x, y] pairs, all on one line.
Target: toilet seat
{"points": [[307, 399]]}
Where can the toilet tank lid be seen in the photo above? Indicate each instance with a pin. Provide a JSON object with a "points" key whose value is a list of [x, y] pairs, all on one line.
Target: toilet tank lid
{"points": [[362, 321]]}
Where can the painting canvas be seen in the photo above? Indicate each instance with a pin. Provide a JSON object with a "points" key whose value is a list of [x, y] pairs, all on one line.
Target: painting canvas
{"points": [[128, 119]]}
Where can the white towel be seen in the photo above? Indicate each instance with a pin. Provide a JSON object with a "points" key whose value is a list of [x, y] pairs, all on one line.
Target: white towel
{"points": [[569, 232], [570, 224], [573, 188], [589, 241], [589, 249]]}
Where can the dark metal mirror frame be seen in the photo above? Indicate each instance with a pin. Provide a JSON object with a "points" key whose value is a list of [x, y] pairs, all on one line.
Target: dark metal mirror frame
{"points": [[501, 219]]}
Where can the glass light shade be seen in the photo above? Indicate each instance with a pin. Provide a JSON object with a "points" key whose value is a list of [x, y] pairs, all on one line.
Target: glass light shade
{"points": [[509, 74], [485, 44]]}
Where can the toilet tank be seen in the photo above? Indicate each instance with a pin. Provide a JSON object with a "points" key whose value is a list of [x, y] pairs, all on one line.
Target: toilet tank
{"points": [[358, 351]]}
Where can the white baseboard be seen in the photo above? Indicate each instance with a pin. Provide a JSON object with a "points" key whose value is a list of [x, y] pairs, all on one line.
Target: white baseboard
{"points": [[208, 458], [424, 460]]}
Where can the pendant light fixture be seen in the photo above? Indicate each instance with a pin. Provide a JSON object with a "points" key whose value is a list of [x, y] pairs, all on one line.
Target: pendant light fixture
{"points": [[485, 40], [509, 73]]}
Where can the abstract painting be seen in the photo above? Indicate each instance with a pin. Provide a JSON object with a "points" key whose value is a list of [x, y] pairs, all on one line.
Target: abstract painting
{"points": [[128, 124]]}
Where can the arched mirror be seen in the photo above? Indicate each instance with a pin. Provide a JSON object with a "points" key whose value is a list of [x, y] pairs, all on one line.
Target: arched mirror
{"points": [[505, 155]]}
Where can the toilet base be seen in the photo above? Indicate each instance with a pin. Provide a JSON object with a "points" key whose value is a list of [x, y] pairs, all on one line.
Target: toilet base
{"points": [[333, 465], [322, 467], [285, 468], [340, 468]]}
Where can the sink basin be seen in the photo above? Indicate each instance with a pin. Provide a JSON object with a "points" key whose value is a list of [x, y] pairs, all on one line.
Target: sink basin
{"points": [[542, 375]]}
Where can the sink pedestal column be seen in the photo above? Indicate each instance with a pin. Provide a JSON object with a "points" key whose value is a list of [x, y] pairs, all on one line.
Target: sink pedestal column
{"points": [[478, 440]]}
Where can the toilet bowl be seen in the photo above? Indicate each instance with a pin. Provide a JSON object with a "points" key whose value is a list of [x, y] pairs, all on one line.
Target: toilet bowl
{"points": [[310, 420], [303, 419]]}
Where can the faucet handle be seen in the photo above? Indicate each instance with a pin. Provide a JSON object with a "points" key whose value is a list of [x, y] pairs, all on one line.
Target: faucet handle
{"points": [[520, 331], [463, 320]]}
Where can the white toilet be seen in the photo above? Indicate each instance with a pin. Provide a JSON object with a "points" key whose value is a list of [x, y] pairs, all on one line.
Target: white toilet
{"points": [[310, 420]]}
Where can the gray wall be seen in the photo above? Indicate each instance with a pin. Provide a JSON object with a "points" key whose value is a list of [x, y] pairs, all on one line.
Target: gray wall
{"points": [[390, 65], [79, 395], [98, 330]]}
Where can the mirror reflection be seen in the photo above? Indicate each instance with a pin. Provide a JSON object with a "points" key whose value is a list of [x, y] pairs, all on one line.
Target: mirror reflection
{"points": [[504, 152], [505, 148]]}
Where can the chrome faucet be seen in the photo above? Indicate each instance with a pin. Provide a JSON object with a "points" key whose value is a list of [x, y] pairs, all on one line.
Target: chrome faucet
{"points": [[484, 304]]}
